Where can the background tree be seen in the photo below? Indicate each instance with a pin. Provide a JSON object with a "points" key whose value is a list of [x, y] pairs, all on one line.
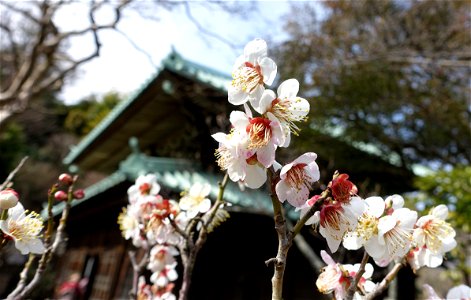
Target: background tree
{"points": [[392, 74]]}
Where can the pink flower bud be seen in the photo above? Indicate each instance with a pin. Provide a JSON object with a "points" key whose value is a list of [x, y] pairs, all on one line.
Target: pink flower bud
{"points": [[79, 194], [60, 196], [8, 198], [66, 179]]}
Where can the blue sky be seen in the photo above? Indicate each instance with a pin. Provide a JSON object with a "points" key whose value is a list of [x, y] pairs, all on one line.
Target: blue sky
{"points": [[123, 68]]}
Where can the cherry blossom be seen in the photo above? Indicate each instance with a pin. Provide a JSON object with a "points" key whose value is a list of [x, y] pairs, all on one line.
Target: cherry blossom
{"points": [[251, 71], [296, 179], [24, 229]]}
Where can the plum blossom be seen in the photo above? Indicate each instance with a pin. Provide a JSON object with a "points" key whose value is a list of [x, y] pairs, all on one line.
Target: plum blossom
{"points": [[338, 218], [263, 134], [394, 236], [329, 280], [364, 284], [287, 108], [8, 198], [196, 201], [296, 179], [433, 237], [314, 219], [162, 256], [24, 229], [342, 188], [251, 71], [461, 292], [337, 278], [366, 232], [145, 185], [240, 163]]}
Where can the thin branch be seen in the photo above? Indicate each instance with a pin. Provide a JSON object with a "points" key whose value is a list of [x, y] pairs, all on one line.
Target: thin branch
{"points": [[354, 285], [13, 173], [385, 282]]}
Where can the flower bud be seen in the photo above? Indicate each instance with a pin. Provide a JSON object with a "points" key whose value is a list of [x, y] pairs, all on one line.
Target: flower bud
{"points": [[8, 198], [79, 194], [60, 196], [66, 179]]}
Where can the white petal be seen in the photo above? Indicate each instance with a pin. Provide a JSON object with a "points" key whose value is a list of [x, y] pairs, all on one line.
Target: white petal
{"points": [[306, 158], [205, 206], [440, 211], [255, 176], [265, 101], [406, 216], [299, 108], [374, 248], [375, 206], [385, 224], [288, 89], [266, 155], [255, 49], [281, 189], [269, 68], [297, 197], [17, 212], [237, 96], [459, 292], [238, 119], [352, 241]]}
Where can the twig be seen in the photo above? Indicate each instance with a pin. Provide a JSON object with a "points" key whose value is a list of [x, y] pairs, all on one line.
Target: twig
{"points": [[190, 250], [13, 173], [354, 284], [385, 282]]}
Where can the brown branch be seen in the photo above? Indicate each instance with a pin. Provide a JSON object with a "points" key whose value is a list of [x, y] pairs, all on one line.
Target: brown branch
{"points": [[354, 284], [13, 173], [385, 282]]}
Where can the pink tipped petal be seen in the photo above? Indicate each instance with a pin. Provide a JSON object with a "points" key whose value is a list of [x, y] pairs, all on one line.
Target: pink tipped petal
{"points": [[238, 119], [327, 258], [281, 189], [306, 158]]}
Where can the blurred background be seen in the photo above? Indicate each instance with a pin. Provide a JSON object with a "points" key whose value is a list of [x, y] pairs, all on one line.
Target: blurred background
{"points": [[388, 83]]}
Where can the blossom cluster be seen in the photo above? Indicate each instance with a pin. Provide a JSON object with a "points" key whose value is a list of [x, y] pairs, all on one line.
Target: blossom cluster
{"points": [[156, 224], [25, 227], [249, 149], [383, 227]]}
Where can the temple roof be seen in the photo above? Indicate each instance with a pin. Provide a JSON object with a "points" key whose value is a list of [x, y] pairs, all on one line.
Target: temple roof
{"points": [[157, 112]]}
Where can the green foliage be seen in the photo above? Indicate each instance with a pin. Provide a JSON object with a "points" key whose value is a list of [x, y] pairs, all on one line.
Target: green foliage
{"points": [[387, 73], [452, 188], [85, 115], [12, 145]]}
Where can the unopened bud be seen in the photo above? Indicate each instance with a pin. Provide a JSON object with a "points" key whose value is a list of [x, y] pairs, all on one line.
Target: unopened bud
{"points": [[60, 196], [8, 198], [66, 179], [79, 194]]}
